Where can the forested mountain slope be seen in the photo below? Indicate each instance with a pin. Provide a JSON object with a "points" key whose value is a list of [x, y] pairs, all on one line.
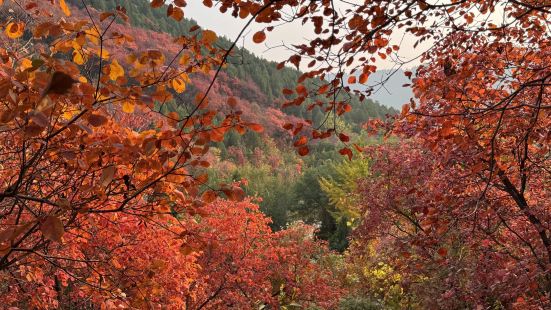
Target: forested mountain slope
{"points": [[264, 82], [286, 185]]}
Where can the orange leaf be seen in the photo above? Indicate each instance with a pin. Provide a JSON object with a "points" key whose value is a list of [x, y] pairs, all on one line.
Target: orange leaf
{"points": [[115, 70], [301, 141], [157, 3], [175, 12], [259, 37], [208, 196], [217, 134], [15, 30], [352, 79], [235, 194], [103, 16], [405, 109], [255, 127], [64, 8], [363, 78], [209, 36], [443, 252]]}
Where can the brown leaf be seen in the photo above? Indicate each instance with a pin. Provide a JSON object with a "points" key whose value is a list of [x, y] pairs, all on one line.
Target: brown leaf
{"points": [[232, 102], [52, 228], [60, 83], [39, 118], [97, 120], [107, 175]]}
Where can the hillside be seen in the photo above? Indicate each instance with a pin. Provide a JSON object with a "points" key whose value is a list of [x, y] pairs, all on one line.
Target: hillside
{"points": [[286, 185], [265, 82]]}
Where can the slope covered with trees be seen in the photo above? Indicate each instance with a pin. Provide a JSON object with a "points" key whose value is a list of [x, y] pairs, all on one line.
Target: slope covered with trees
{"points": [[274, 174]]}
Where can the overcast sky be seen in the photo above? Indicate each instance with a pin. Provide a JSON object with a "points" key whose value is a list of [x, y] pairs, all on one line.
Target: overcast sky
{"points": [[228, 26]]}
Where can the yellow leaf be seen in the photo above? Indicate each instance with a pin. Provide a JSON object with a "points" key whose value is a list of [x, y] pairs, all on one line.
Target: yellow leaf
{"points": [[26, 63], [184, 60], [82, 79], [14, 30], [77, 58], [92, 35], [178, 85], [116, 70], [104, 53], [69, 114], [127, 107], [185, 78], [64, 8]]}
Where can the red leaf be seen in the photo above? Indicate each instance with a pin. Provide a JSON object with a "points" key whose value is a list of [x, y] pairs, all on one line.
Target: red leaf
{"points": [[303, 151], [343, 137], [287, 91], [323, 89], [288, 126], [295, 60], [346, 151]]}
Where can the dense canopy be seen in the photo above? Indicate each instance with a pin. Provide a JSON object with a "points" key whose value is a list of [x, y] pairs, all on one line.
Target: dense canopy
{"points": [[129, 178]]}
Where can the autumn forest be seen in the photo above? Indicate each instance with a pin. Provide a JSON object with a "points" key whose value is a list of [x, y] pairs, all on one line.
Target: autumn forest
{"points": [[149, 162]]}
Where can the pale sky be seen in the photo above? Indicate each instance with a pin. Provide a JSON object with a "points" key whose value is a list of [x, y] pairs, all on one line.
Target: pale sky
{"points": [[294, 33], [228, 26]]}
